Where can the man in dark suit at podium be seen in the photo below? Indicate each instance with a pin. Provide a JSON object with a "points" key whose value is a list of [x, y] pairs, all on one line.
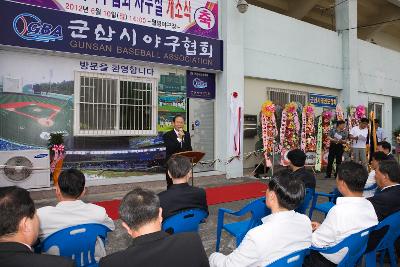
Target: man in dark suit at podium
{"points": [[177, 140]]}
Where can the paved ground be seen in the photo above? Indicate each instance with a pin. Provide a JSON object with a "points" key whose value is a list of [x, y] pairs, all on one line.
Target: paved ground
{"points": [[118, 239]]}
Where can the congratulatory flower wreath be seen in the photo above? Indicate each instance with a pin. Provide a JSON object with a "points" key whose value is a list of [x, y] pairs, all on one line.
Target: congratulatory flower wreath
{"points": [[269, 129], [308, 140], [289, 134]]}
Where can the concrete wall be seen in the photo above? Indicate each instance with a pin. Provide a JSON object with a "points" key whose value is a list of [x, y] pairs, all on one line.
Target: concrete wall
{"points": [[278, 47], [384, 39], [379, 70]]}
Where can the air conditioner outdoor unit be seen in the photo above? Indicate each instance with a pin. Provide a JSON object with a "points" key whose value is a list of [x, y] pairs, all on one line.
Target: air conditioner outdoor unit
{"points": [[25, 168]]}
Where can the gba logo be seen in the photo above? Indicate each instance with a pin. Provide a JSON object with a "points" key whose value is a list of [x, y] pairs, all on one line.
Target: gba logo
{"points": [[199, 84], [204, 18], [31, 28]]}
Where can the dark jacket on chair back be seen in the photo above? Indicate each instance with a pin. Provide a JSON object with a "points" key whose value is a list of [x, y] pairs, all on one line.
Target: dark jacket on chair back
{"points": [[13, 254], [306, 176], [180, 197], [385, 203], [160, 249]]}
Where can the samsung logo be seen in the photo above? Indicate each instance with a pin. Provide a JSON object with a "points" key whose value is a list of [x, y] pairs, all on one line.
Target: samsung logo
{"points": [[199, 84], [39, 156]]}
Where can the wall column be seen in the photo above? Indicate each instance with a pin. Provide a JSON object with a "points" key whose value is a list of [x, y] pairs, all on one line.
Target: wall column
{"points": [[229, 81], [346, 25]]}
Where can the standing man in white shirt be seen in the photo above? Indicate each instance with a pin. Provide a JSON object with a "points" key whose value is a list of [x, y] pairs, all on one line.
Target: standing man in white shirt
{"points": [[359, 135], [351, 214], [282, 232], [71, 211]]}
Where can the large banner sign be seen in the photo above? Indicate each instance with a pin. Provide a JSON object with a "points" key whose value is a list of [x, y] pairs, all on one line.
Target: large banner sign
{"points": [[34, 27], [199, 17], [327, 101], [200, 85]]}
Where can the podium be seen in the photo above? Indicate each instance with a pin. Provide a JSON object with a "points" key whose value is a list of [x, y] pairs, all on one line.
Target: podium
{"points": [[194, 156]]}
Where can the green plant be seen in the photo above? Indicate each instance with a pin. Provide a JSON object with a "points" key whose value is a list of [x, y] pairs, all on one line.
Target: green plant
{"points": [[55, 139], [396, 133]]}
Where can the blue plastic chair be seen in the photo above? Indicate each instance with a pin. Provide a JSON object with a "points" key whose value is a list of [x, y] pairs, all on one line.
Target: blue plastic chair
{"points": [[387, 243], [356, 245], [325, 206], [185, 221], [239, 229], [294, 259], [77, 242], [306, 202]]}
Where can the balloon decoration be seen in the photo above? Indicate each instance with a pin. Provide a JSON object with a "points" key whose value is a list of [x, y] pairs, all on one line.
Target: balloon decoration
{"points": [[289, 134], [269, 130], [355, 114], [361, 112], [308, 140]]}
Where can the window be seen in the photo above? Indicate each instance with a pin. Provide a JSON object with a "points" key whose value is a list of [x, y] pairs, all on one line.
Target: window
{"points": [[11, 85], [299, 97], [113, 105], [282, 97], [377, 108]]}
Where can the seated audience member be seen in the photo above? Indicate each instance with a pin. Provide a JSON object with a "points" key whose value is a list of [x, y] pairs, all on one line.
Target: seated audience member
{"points": [[376, 158], [351, 214], [386, 147], [387, 201], [141, 217], [283, 232], [388, 179], [180, 195], [19, 229], [297, 159], [71, 211]]}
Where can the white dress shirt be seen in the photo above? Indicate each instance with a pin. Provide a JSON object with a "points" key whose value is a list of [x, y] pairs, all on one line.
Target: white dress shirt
{"points": [[349, 216], [71, 213], [362, 135], [370, 181], [380, 134], [177, 134], [280, 234]]}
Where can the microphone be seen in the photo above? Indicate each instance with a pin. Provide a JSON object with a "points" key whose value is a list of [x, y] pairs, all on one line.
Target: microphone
{"points": [[182, 135]]}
